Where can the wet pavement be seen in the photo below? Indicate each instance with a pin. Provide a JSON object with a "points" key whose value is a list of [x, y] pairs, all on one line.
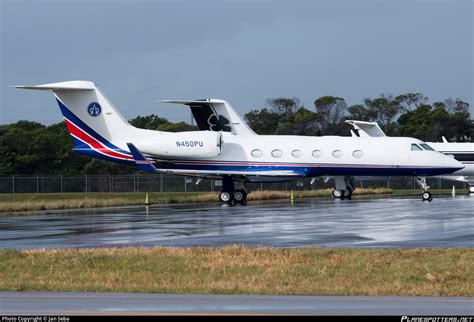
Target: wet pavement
{"points": [[364, 222], [62, 303]]}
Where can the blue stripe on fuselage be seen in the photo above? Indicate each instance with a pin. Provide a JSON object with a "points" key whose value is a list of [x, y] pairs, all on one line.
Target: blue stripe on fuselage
{"points": [[321, 170]]}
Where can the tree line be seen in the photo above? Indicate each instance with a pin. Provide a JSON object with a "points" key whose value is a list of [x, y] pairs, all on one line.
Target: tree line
{"points": [[31, 148]]}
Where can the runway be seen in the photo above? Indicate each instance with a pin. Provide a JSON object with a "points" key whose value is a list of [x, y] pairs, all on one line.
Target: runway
{"points": [[361, 222], [15, 303]]}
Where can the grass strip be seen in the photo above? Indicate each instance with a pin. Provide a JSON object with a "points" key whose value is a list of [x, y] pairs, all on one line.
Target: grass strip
{"points": [[242, 270]]}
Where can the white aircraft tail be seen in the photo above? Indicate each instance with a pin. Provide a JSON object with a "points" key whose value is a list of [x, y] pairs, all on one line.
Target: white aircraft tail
{"points": [[84, 105], [92, 120], [215, 115]]}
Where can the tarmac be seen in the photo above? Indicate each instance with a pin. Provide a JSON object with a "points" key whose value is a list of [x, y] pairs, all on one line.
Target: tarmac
{"points": [[61, 303], [361, 222]]}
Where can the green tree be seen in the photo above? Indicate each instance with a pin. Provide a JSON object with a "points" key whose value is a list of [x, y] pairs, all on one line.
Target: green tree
{"points": [[149, 122], [384, 109], [284, 106], [331, 111], [263, 121], [303, 122], [176, 127]]}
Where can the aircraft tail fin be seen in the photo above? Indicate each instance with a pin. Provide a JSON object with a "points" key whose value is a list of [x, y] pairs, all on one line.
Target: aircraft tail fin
{"points": [[92, 120], [215, 115]]}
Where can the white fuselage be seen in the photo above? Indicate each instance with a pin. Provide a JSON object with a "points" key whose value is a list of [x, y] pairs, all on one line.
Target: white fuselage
{"points": [[304, 155]]}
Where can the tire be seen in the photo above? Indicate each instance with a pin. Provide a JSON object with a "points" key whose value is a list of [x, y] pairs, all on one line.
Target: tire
{"points": [[348, 193], [225, 197], [240, 196], [426, 196], [471, 189], [337, 194]]}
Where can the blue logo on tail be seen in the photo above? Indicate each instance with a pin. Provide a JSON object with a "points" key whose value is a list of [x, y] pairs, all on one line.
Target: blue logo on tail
{"points": [[94, 109]]}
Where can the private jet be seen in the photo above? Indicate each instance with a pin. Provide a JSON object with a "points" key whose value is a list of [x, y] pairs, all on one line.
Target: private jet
{"points": [[226, 148]]}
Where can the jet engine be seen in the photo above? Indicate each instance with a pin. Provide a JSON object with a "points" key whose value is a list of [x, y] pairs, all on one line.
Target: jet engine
{"points": [[202, 144]]}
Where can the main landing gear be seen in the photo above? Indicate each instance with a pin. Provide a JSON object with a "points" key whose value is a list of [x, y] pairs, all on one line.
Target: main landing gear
{"points": [[425, 195], [344, 188], [230, 195]]}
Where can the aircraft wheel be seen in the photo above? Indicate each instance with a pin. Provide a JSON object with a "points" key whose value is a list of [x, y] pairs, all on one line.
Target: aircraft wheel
{"points": [[225, 197], [337, 193], [348, 193], [471, 189], [426, 196], [240, 196]]}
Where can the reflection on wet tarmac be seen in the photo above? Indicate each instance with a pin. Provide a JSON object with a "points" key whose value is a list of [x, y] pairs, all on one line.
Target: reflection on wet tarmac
{"points": [[372, 222]]}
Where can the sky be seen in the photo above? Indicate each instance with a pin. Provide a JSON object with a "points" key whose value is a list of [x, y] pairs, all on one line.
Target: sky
{"points": [[245, 52]]}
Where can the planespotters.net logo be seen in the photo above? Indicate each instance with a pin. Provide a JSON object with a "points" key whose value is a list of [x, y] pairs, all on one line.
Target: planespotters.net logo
{"points": [[437, 319]]}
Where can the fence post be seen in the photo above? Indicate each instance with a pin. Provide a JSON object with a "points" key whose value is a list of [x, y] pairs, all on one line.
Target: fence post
{"points": [[138, 182], [37, 184], [61, 183], [13, 184], [86, 181], [161, 182], [134, 183]]}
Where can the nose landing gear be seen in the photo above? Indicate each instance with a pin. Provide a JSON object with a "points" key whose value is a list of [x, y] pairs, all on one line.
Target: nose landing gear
{"points": [[425, 195]]}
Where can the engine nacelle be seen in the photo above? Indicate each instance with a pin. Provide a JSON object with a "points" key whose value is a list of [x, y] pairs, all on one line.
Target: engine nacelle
{"points": [[196, 144]]}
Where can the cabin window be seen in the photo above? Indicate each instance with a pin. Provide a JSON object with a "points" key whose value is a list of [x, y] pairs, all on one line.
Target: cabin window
{"points": [[277, 153], [256, 153], [416, 147], [337, 153], [426, 147], [296, 153], [317, 153], [357, 154]]}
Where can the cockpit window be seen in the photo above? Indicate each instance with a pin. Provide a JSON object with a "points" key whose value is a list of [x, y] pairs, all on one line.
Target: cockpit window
{"points": [[416, 147], [426, 147]]}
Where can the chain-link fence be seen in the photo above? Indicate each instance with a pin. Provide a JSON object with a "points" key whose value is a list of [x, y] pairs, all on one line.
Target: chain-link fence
{"points": [[171, 183]]}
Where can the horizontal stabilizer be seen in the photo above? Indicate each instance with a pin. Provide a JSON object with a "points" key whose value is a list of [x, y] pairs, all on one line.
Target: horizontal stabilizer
{"points": [[194, 102], [71, 85], [142, 162]]}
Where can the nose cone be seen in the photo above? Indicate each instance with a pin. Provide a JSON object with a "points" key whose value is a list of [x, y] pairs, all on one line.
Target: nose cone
{"points": [[451, 164]]}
